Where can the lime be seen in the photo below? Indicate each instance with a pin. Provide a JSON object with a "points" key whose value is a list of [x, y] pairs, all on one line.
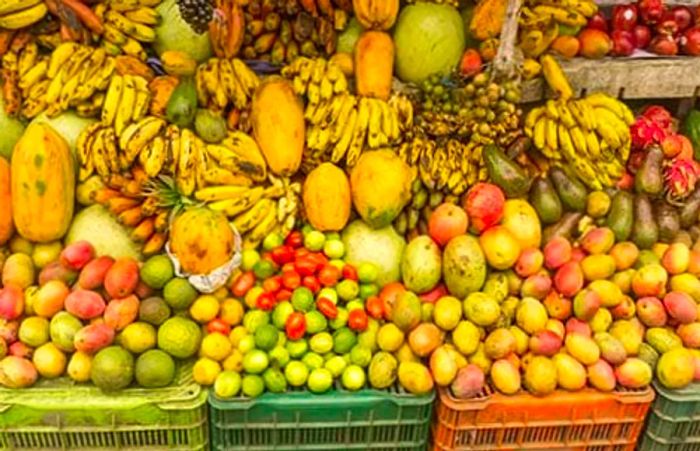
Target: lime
{"points": [[361, 356], [157, 271], [249, 258], [320, 380], [343, 340], [335, 365], [205, 371], [138, 337], [246, 343], [274, 380], [154, 310], [266, 337], [347, 290], [272, 241], [264, 268], [216, 346], [254, 319], [280, 314], [321, 343], [252, 385], [296, 373], [234, 362], [179, 337], [34, 331], [305, 229], [353, 377], [297, 348], [279, 356], [314, 240], [179, 293], [302, 299], [367, 272], [227, 384], [154, 368], [334, 248], [340, 320], [328, 293], [112, 368], [231, 311], [205, 308], [255, 361], [367, 290], [313, 360], [281, 338], [315, 322]]}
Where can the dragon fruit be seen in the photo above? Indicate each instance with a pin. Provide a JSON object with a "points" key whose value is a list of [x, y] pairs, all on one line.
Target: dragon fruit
{"points": [[680, 177], [651, 127]]}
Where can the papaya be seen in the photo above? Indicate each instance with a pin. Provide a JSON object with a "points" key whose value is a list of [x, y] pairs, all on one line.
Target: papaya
{"points": [[545, 200], [572, 192], [376, 14], [488, 18], [380, 184], [326, 197], [202, 240], [42, 175], [374, 64], [649, 178], [6, 225], [277, 116]]}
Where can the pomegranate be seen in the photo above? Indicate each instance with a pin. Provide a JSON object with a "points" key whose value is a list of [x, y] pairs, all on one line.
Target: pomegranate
{"points": [[598, 22], [623, 43], [624, 17], [683, 17], [663, 44], [642, 36], [651, 11], [690, 41]]}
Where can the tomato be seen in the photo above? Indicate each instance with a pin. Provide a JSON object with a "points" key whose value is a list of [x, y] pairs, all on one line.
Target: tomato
{"points": [[389, 294], [266, 301], [283, 295], [327, 307], [301, 252], [295, 326], [319, 258], [288, 267], [295, 239], [329, 275], [272, 284], [291, 279], [350, 273], [282, 254], [311, 283], [243, 283], [218, 325], [358, 320], [305, 266], [433, 295], [375, 307]]}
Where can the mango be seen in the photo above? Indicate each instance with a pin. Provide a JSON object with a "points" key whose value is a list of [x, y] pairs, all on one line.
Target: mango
{"points": [[611, 349], [85, 304], [499, 343], [415, 377], [421, 265], [556, 326], [62, 330], [625, 309], [121, 278], [690, 334], [463, 266], [541, 376], [76, 255], [480, 359], [681, 307], [557, 306], [382, 370], [686, 283], [568, 280], [545, 342], [45, 253], [598, 267], [601, 376], [500, 247], [424, 339], [443, 367], [601, 321], [651, 311], [529, 262], [119, 313], [675, 368], [628, 334], [598, 240], [623, 280], [49, 361], [50, 298], [576, 326], [536, 286], [497, 286], [650, 280], [466, 337], [18, 270], [93, 274], [447, 312], [79, 367], [468, 383], [625, 255], [633, 373], [531, 316], [11, 302], [520, 218], [676, 258], [56, 271], [522, 340], [610, 294], [571, 375], [16, 372], [505, 377], [481, 309], [92, 338], [586, 304], [406, 311], [557, 251]]}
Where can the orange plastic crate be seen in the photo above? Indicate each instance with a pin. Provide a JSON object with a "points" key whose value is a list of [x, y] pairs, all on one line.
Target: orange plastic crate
{"points": [[586, 420]]}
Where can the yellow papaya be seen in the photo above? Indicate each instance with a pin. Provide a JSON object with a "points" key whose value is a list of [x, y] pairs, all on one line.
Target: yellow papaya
{"points": [[202, 240], [376, 14], [374, 64], [326, 196], [6, 225], [488, 18]]}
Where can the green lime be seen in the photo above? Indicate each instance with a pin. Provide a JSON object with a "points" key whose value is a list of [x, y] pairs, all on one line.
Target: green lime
{"points": [[297, 348], [254, 319], [272, 241], [180, 337], [296, 373], [313, 360], [157, 271], [340, 320], [320, 380], [279, 356], [305, 229], [266, 337], [360, 355], [343, 340], [154, 368], [138, 337], [179, 293], [321, 343], [367, 290], [347, 290], [314, 240], [280, 314], [252, 385], [302, 299], [274, 380], [353, 377], [34, 331], [328, 293], [112, 368], [264, 268], [367, 272], [315, 322], [154, 310], [246, 343], [249, 258], [334, 248], [255, 361], [227, 384], [336, 364]]}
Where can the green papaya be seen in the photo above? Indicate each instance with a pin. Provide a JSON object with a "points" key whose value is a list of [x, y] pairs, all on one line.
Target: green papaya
{"points": [[649, 178], [572, 193], [668, 220], [506, 173], [645, 232], [691, 129], [545, 200], [621, 215], [182, 105]]}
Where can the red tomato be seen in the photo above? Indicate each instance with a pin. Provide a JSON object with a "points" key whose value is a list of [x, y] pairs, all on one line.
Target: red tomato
{"points": [[375, 307], [272, 284], [311, 283], [433, 295], [243, 283], [282, 254], [319, 258], [295, 326], [327, 307], [295, 239], [329, 275], [291, 279], [349, 272], [357, 320], [283, 295], [305, 266], [218, 325], [301, 252], [266, 301], [389, 294], [288, 267]]}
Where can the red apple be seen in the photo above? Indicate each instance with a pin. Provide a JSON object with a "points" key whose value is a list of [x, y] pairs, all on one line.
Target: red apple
{"points": [[642, 36], [663, 44], [623, 43], [598, 22], [624, 17], [651, 11], [683, 17], [690, 41]]}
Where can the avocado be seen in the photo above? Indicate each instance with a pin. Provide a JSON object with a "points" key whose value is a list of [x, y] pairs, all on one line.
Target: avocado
{"points": [[565, 227], [690, 209], [649, 178], [182, 105], [621, 215], [645, 231], [668, 221], [545, 200], [505, 173], [572, 192]]}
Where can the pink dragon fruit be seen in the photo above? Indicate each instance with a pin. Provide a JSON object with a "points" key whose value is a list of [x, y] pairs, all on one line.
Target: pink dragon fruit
{"points": [[680, 178], [651, 127]]}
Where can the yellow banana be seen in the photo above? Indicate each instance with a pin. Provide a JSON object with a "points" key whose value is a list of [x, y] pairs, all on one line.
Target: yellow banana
{"points": [[556, 79], [248, 220], [112, 100], [265, 226], [24, 17], [237, 205], [126, 104], [234, 90], [130, 27], [219, 193], [143, 98], [359, 134], [340, 122], [11, 6], [244, 156], [152, 157], [551, 110], [611, 128], [565, 115], [539, 133], [592, 144], [34, 75], [137, 134], [551, 134], [144, 15], [246, 76], [579, 140], [28, 59], [533, 116], [562, 15], [374, 124]]}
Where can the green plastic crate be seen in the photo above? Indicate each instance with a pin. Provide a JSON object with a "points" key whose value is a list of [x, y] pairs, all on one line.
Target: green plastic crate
{"points": [[673, 423], [337, 420], [63, 415]]}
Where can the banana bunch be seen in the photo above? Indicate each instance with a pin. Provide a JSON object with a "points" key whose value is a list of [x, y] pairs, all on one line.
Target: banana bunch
{"points": [[16, 14], [340, 128], [256, 211], [73, 76], [316, 79], [239, 155], [589, 135], [413, 219], [127, 100], [221, 82], [127, 25]]}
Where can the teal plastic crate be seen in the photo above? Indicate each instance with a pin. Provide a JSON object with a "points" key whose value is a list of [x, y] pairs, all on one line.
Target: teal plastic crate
{"points": [[63, 415], [337, 420], [673, 423]]}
